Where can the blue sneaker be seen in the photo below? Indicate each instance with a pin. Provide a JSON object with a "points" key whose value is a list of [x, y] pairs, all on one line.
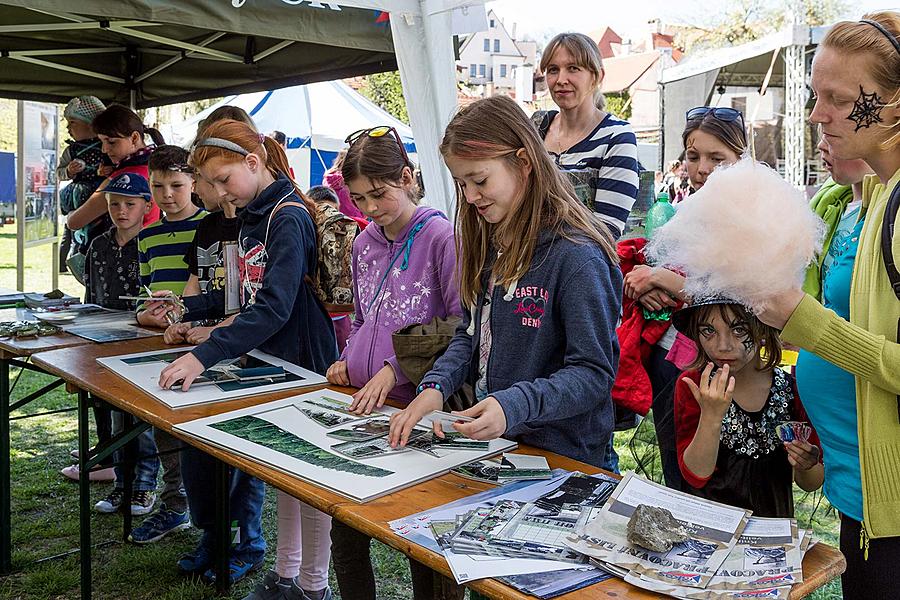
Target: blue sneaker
{"points": [[158, 525], [237, 570], [194, 564]]}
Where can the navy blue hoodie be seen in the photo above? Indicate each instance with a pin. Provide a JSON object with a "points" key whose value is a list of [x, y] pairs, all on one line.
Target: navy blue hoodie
{"points": [[280, 314], [554, 353]]}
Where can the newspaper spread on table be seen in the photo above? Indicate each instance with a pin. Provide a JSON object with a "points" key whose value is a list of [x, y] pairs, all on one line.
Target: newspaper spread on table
{"points": [[713, 528]]}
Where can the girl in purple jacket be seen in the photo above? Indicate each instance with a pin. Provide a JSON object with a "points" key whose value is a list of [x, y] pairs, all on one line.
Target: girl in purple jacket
{"points": [[404, 264]]}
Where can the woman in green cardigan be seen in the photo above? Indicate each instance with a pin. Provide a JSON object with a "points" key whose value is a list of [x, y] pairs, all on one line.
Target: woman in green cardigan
{"points": [[856, 80]]}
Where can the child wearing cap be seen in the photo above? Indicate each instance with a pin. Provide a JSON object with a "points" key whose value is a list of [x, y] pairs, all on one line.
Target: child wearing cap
{"points": [[161, 250], [80, 162]]}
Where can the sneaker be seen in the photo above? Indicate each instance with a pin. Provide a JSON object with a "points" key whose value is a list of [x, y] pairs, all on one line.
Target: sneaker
{"points": [[142, 502], [272, 587], [158, 525], [237, 570], [111, 503], [194, 564], [298, 593], [104, 475]]}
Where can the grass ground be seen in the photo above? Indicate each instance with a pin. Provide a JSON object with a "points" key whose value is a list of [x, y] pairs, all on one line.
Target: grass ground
{"points": [[45, 504]]}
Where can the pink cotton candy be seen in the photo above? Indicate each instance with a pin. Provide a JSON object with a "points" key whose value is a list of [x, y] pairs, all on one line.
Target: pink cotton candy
{"points": [[745, 235]]}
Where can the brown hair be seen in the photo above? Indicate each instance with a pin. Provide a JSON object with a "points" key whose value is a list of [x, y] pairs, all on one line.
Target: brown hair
{"points": [[228, 111], [497, 128], [855, 37], [267, 149], [586, 54], [120, 122], [763, 336], [380, 159], [729, 133]]}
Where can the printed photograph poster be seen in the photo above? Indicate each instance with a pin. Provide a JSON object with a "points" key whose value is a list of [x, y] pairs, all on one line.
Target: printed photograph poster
{"points": [[143, 368], [38, 153], [282, 434]]}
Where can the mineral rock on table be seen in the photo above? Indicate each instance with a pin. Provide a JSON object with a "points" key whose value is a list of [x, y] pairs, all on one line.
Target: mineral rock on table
{"points": [[655, 529]]}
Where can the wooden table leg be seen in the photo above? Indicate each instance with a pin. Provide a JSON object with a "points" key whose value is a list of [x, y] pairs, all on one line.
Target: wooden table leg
{"points": [[84, 493], [5, 482]]}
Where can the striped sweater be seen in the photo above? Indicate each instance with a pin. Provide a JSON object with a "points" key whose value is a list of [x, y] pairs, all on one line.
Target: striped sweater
{"points": [[604, 167], [161, 250]]}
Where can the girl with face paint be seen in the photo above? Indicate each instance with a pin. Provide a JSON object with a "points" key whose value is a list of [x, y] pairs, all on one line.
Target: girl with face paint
{"points": [[852, 392], [726, 415]]}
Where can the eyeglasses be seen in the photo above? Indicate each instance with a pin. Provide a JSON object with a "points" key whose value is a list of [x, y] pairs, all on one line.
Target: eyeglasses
{"points": [[377, 132], [721, 113]]}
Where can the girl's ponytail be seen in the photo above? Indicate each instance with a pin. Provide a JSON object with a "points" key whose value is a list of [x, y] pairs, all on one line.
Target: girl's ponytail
{"points": [[121, 121], [155, 135], [277, 163]]}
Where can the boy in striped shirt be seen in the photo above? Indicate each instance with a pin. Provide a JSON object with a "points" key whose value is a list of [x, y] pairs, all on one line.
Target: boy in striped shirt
{"points": [[161, 253]]}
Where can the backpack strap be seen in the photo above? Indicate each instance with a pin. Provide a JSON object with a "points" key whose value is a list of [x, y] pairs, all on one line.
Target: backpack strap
{"points": [[281, 204], [887, 239]]}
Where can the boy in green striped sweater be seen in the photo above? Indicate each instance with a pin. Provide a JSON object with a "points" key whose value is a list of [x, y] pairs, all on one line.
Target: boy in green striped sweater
{"points": [[161, 253]]}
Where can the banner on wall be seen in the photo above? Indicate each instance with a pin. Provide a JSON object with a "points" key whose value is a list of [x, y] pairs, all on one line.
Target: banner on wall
{"points": [[36, 195]]}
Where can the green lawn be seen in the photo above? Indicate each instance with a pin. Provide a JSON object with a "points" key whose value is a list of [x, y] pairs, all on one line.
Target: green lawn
{"points": [[45, 504]]}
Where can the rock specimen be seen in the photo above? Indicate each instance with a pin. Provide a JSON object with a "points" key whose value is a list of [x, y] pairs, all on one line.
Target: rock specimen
{"points": [[655, 529]]}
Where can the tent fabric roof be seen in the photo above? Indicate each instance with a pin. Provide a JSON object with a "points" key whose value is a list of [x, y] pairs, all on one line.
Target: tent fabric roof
{"points": [[168, 52], [622, 72], [319, 114]]}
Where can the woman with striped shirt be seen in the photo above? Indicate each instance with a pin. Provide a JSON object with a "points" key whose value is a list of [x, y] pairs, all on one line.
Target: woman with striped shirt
{"points": [[597, 150]]}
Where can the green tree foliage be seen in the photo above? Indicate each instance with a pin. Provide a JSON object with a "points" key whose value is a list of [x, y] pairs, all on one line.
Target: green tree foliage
{"points": [[385, 90], [619, 104], [747, 20]]}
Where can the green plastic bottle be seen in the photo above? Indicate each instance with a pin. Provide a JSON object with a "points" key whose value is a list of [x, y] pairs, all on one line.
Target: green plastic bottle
{"points": [[658, 215]]}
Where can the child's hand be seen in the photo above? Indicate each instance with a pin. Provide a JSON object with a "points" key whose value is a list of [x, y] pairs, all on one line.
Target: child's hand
{"points": [[185, 369], [803, 456], [337, 373], [175, 333], [104, 170], [154, 317], [198, 335], [74, 167], [657, 299], [402, 423], [489, 423], [374, 393], [714, 394], [639, 281]]}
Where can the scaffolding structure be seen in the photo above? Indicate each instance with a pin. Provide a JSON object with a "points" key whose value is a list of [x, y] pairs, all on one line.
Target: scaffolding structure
{"points": [[795, 98]]}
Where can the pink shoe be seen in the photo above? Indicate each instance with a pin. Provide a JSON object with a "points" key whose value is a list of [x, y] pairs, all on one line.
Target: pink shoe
{"points": [[97, 475]]}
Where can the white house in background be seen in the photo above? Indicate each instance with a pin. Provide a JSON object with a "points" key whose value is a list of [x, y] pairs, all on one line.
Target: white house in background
{"points": [[495, 62]]}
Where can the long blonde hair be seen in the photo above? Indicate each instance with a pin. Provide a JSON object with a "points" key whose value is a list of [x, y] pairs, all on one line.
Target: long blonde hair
{"points": [[856, 37], [497, 128], [586, 54]]}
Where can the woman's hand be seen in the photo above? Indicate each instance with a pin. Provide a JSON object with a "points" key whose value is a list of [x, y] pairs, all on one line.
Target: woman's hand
{"points": [[337, 373], [198, 335], [780, 307], [185, 370], [803, 456], [714, 393], [639, 281], [489, 423], [175, 333], [657, 299], [402, 423], [154, 317], [373, 394], [105, 170]]}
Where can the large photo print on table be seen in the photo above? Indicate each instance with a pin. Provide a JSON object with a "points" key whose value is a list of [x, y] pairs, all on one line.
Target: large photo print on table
{"points": [[254, 373], [295, 436]]}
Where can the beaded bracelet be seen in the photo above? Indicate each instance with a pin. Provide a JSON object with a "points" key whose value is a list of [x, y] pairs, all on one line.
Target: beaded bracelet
{"points": [[426, 386]]}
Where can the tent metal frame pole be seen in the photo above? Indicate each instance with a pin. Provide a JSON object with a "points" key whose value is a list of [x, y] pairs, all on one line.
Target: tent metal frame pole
{"points": [[177, 58], [270, 51], [67, 51], [115, 27], [68, 69], [36, 27]]}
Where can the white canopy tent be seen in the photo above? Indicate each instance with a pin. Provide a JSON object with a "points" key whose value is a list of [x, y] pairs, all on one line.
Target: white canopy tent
{"points": [[316, 118]]}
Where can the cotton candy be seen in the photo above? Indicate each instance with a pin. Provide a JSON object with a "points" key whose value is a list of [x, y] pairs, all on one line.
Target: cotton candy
{"points": [[745, 235]]}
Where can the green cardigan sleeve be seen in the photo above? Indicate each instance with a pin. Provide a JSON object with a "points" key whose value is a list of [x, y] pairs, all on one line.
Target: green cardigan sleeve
{"points": [[868, 356]]}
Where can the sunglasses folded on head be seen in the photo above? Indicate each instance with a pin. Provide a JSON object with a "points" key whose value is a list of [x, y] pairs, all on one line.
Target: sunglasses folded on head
{"points": [[722, 113], [377, 132]]}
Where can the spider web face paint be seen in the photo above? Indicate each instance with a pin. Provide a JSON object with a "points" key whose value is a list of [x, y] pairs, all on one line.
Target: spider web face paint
{"points": [[866, 110]]}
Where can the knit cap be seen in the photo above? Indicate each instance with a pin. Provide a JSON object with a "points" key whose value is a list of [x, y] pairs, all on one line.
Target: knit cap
{"points": [[84, 108]]}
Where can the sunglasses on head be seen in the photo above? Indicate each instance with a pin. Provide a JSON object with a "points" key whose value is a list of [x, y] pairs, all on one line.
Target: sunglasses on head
{"points": [[721, 113], [377, 132]]}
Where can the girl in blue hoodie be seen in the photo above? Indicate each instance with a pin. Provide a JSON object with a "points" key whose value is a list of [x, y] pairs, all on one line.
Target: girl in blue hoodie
{"points": [[280, 315], [542, 292]]}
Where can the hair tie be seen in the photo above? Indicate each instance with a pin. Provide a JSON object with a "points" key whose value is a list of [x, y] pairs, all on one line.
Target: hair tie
{"points": [[891, 38], [262, 139]]}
